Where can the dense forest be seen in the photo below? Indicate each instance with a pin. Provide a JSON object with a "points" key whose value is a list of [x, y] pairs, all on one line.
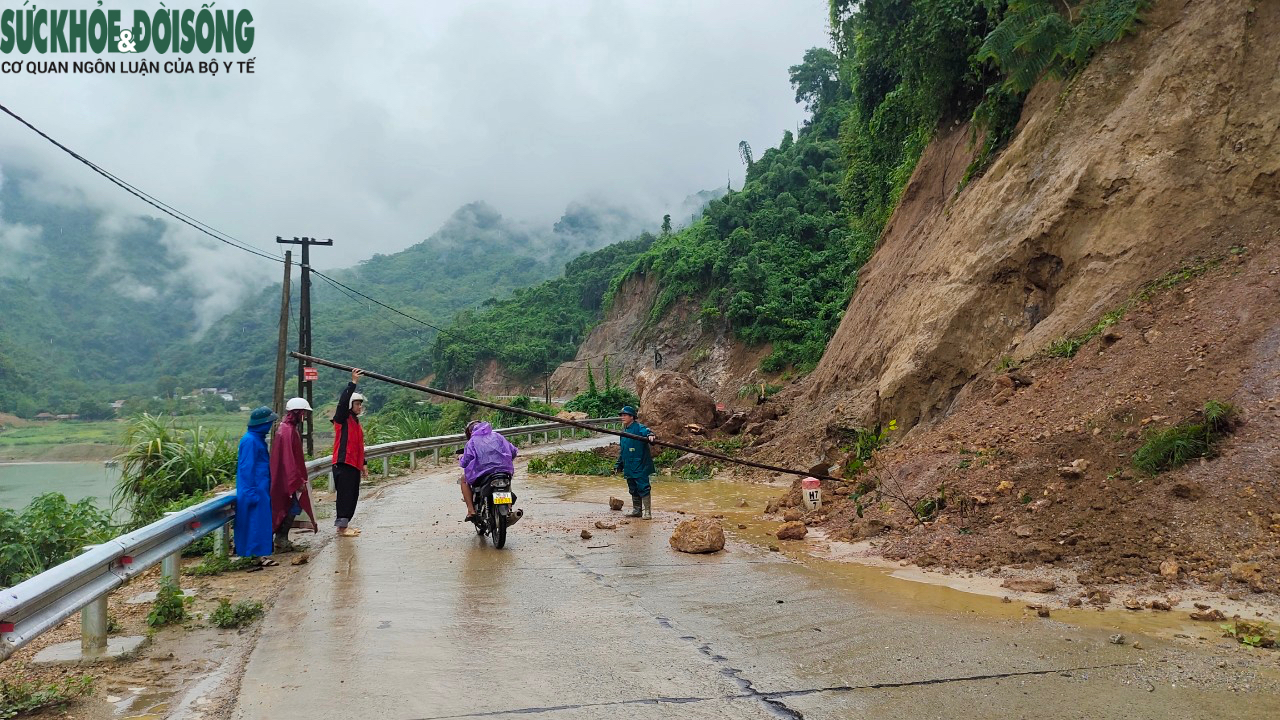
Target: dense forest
{"points": [[778, 260]]}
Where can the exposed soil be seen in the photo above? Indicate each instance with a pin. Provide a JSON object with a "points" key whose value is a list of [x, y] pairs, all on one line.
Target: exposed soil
{"points": [[1005, 452]]}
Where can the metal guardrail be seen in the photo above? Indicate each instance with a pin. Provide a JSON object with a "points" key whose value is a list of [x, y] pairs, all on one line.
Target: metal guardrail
{"points": [[83, 583]]}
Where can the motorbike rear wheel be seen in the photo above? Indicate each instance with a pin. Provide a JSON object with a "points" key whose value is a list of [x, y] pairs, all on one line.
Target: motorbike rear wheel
{"points": [[498, 522]]}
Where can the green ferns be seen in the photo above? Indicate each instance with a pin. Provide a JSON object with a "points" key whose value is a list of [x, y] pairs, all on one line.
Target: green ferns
{"points": [[1035, 38]]}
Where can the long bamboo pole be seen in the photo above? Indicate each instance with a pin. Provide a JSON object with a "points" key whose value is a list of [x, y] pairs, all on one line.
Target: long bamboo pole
{"points": [[551, 418]]}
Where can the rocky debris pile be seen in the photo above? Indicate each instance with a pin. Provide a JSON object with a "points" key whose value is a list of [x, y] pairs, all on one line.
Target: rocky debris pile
{"points": [[699, 535], [671, 402]]}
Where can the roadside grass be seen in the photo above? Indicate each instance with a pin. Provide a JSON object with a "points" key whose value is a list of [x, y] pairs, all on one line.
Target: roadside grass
{"points": [[233, 616], [1171, 447], [19, 697], [1068, 346]]}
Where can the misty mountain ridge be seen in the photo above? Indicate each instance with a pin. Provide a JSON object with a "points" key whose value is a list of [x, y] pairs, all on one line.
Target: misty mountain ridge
{"points": [[99, 305]]}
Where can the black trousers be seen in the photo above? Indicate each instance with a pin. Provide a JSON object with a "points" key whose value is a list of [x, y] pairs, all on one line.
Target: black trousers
{"points": [[346, 481]]}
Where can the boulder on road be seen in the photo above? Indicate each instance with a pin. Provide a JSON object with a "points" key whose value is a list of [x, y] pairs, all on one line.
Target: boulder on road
{"points": [[792, 531], [669, 401], [699, 535]]}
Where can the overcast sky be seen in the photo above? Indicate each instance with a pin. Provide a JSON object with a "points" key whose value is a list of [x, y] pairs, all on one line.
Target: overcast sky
{"points": [[372, 122]]}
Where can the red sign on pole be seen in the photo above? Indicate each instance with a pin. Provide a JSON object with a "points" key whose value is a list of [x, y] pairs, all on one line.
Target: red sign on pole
{"points": [[310, 374]]}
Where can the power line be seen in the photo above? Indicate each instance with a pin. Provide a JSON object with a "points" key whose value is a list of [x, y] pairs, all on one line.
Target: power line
{"points": [[145, 197]]}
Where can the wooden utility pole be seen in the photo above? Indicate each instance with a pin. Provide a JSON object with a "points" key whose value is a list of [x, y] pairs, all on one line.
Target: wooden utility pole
{"points": [[304, 332], [282, 349]]}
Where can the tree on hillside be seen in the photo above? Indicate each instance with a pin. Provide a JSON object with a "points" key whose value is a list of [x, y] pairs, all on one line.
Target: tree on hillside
{"points": [[666, 224], [816, 79]]}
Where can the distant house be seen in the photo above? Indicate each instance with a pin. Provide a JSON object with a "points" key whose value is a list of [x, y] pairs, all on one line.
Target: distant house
{"points": [[46, 416], [226, 396], [117, 404]]}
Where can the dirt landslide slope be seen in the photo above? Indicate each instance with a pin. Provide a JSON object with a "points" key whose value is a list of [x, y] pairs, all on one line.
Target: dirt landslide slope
{"points": [[1161, 155]]}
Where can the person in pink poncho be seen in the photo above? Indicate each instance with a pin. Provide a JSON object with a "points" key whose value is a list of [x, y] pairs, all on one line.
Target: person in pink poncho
{"points": [[290, 491]]}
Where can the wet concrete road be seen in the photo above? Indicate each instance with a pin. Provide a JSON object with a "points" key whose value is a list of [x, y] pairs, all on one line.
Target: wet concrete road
{"points": [[418, 619]]}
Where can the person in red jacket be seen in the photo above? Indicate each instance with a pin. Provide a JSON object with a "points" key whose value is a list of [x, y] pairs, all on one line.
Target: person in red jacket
{"points": [[348, 454], [290, 491]]}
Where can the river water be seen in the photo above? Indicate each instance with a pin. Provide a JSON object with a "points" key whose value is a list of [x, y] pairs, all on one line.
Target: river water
{"points": [[20, 482]]}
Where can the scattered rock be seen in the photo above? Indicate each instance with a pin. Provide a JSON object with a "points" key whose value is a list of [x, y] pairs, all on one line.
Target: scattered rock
{"points": [[1214, 615], [1098, 596], [771, 507], [869, 528], [585, 534], [926, 560], [1132, 603], [615, 504], [1042, 612], [302, 559], [742, 526], [1076, 469], [1201, 606], [792, 530], [1075, 602], [1117, 639], [734, 424], [774, 548], [1111, 335], [1023, 531], [1186, 490], [791, 515], [1034, 585], [1161, 605], [571, 415], [743, 503], [1249, 573], [699, 535], [1169, 568], [602, 525]]}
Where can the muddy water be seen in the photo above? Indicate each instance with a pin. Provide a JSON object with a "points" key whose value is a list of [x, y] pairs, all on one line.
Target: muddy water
{"points": [[879, 584]]}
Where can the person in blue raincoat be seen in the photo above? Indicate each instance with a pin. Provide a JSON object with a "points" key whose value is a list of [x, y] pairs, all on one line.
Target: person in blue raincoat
{"points": [[253, 528], [636, 463]]}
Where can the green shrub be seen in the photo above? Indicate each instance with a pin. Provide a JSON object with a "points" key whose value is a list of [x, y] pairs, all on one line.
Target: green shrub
{"points": [[18, 697], [170, 605], [164, 463], [1174, 446], [233, 616], [864, 444], [49, 531], [214, 564], [580, 462]]}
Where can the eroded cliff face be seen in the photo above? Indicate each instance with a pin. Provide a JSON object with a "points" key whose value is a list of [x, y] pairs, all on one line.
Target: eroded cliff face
{"points": [[1164, 149], [627, 336]]}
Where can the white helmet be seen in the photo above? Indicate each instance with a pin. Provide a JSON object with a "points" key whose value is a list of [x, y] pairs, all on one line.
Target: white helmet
{"points": [[297, 404], [356, 397]]}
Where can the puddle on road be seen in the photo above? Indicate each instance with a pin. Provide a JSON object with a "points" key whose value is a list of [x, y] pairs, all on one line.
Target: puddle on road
{"points": [[871, 584]]}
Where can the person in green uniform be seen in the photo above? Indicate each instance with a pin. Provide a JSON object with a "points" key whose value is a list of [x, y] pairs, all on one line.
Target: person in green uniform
{"points": [[636, 463]]}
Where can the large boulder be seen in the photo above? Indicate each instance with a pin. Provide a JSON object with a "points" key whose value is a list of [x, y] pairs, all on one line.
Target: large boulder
{"points": [[699, 535], [669, 401], [794, 530]]}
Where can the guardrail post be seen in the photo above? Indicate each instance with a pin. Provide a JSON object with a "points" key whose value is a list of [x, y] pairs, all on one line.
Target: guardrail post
{"points": [[528, 438], [93, 624], [386, 466], [93, 627], [559, 434], [435, 457], [222, 538], [171, 567], [545, 436], [413, 460]]}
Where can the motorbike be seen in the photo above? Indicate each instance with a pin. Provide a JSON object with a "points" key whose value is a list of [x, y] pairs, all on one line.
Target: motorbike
{"points": [[493, 499]]}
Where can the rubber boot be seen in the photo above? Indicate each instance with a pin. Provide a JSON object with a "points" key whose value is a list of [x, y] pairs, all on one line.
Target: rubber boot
{"points": [[648, 514], [635, 507]]}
